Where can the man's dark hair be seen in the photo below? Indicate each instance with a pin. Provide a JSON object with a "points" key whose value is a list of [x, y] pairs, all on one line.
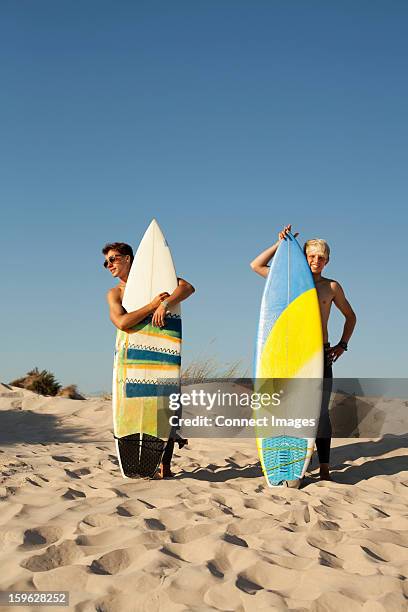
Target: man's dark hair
{"points": [[121, 247]]}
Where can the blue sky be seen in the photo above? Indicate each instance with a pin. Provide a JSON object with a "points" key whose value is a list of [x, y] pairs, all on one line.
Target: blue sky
{"points": [[224, 120]]}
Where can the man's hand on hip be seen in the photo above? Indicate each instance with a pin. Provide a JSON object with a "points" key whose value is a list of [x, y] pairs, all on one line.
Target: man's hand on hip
{"points": [[335, 352]]}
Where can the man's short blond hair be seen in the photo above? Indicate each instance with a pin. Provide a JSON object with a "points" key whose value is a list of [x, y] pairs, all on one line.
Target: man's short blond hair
{"points": [[318, 245]]}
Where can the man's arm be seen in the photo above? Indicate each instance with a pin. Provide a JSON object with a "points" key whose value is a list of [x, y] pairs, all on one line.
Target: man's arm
{"points": [[125, 320], [345, 308], [260, 263], [183, 290]]}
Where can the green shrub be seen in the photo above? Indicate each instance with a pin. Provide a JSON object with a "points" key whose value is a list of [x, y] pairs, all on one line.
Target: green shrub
{"points": [[43, 383]]}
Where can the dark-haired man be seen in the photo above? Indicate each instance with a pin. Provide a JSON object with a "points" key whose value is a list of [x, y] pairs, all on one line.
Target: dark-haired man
{"points": [[118, 260]]}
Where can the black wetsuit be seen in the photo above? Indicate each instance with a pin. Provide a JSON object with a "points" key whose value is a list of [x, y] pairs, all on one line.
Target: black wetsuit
{"points": [[168, 453], [324, 431]]}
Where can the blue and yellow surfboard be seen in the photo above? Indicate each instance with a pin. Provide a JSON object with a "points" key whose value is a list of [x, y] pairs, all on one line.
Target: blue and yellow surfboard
{"points": [[289, 345]]}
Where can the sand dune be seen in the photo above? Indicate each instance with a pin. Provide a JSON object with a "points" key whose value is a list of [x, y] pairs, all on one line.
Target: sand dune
{"points": [[213, 538]]}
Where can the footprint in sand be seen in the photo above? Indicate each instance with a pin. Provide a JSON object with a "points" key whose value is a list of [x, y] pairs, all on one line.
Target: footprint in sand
{"points": [[41, 536], [330, 560], [187, 534], [73, 494], [100, 520], [213, 569], [152, 539], [62, 458], [175, 519], [65, 553], [251, 527], [77, 473], [113, 536], [113, 562], [209, 513], [154, 524], [248, 586], [320, 537], [220, 566], [233, 539], [271, 577], [133, 508]]}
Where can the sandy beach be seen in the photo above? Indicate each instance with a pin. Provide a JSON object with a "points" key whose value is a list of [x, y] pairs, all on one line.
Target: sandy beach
{"points": [[213, 538]]}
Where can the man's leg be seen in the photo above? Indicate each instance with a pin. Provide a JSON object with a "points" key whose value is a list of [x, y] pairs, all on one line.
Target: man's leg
{"points": [[323, 451], [324, 433], [165, 470]]}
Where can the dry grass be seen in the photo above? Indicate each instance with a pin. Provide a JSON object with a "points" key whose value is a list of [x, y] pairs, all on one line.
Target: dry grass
{"points": [[71, 392], [208, 367]]}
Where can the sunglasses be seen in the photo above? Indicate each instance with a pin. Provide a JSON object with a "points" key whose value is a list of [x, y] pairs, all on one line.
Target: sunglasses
{"points": [[111, 260]]}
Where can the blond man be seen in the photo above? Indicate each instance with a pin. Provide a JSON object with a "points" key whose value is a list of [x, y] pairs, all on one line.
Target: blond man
{"points": [[329, 292]]}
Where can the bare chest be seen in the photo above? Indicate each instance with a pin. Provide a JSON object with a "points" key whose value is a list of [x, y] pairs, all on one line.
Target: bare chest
{"points": [[324, 294]]}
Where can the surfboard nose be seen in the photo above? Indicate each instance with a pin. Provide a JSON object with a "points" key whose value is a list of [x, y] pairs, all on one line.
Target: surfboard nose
{"points": [[154, 231], [153, 224]]}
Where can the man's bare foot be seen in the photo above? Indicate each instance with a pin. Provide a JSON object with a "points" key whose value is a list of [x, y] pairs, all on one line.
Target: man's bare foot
{"points": [[156, 476], [324, 471], [165, 471]]}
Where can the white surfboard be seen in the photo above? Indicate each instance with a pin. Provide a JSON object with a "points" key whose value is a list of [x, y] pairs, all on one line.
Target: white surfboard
{"points": [[152, 271], [145, 358]]}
